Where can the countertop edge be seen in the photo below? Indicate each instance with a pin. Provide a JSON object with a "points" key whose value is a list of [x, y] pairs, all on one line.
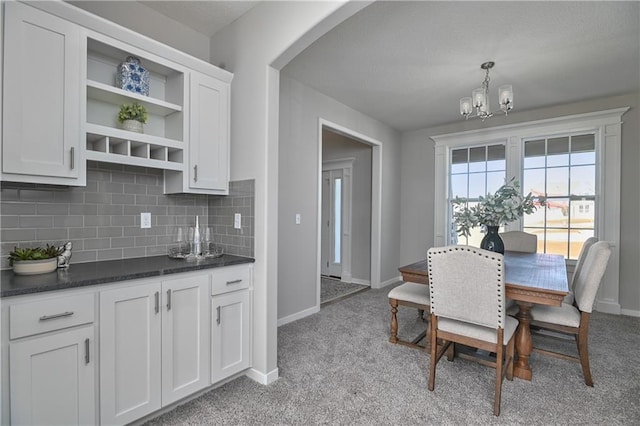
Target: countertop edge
{"points": [[60, 280]]}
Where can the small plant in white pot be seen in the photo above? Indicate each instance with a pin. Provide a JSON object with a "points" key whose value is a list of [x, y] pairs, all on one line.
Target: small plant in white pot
{"points": [[31, 261], [132, 116]]}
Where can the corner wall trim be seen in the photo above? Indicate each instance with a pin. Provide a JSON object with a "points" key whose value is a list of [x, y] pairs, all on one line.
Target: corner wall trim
{"points": [[262, 378]]}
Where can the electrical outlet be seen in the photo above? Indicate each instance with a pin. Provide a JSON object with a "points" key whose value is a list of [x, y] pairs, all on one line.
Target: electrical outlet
{"points": [[145, 220], [237, 221]]}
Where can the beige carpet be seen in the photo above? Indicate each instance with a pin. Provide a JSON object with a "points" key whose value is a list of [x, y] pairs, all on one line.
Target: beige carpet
{"points": [[337, 367]]}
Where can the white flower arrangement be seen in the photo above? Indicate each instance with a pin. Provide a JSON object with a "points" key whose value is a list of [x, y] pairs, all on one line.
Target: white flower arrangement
{"points": [[501, 208]]}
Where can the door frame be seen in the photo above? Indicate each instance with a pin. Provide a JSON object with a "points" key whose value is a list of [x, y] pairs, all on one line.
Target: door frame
{"points": [[376, 200], [346, 166]]}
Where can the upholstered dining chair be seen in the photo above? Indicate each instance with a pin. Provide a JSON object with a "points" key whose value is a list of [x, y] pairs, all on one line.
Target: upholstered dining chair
{"points": [[573, 319], [583, 254], [467, 297], [412, 295], [519, 241]]}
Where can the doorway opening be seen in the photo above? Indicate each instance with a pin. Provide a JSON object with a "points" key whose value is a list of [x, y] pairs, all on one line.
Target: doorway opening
{"points": [[349, 218]]}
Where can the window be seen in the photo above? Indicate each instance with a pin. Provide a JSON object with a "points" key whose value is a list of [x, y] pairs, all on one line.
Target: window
{"points": [[474, 172], [572, 146], [563, 169]]}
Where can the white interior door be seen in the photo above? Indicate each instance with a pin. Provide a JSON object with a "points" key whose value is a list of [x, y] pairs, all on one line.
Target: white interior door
{"points": [[332, 205]]}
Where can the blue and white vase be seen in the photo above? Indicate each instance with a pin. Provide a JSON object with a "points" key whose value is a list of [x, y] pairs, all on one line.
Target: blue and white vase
{"points": [[132, 76]]}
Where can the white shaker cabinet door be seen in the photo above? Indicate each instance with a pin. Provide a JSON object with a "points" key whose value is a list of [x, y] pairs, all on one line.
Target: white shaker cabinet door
{"points": [[185, 336], [130, 327], [209, 134], [53, 379], [230, 328], [42, 98]]}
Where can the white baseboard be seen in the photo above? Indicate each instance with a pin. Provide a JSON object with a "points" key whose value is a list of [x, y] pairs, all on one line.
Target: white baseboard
{"points": [[262, 378], [361, 282], [630, 312], [298, 315], [389, 282], [607, 307]]}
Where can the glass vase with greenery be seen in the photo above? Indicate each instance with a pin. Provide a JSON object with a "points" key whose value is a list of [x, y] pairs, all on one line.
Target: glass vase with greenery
{"points": [[506, 205]]}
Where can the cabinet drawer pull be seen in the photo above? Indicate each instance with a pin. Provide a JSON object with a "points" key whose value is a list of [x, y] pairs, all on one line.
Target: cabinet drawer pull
{"points": [[234, 282], [218, 315], [54, 316], [86, 351], [169, 300], [73, 158], [195, 173], [157, 302]]}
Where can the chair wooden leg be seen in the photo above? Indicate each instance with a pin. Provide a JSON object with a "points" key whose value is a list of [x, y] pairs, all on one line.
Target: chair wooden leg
{"points": [[394, 321], [433, 324], [510, 358], [499, 373], [451, 352], [583, 349]]}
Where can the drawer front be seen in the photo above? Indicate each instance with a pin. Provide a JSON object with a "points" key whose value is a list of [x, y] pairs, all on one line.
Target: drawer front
{"points": [[26, 319], [230, 279]]}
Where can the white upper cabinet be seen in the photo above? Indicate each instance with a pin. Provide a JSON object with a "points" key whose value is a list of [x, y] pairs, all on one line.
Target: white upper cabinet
{"points": [[41, 122], [208, 168], [61, 101]]}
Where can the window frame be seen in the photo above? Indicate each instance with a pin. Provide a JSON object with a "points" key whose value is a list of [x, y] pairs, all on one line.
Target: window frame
{"points": [[607, 127]]}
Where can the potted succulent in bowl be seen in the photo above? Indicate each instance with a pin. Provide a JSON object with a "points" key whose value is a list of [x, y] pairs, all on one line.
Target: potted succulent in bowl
{"points": [[132, 116], [32, 261]]}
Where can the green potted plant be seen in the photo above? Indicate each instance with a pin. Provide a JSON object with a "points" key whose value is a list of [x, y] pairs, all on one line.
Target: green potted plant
{"points": [[31, 261], [132, 116]]}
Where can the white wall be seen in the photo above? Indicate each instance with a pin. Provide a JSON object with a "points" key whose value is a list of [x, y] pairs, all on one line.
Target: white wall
{"points": [[301, 108], [144, 20], [337, 147], [269, 34], [418, 160]]}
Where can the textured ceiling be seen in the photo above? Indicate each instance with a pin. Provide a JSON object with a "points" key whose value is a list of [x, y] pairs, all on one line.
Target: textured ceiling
{"points": [[204, 16], [407, 64]]}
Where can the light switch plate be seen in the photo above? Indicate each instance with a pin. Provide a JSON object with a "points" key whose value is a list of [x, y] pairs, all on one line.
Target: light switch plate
{"points": [[237, 221], [298, 218], [145, 220]]}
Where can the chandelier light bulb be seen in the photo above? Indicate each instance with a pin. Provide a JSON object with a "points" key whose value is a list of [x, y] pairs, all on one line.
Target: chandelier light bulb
{"points": [[505, 94]]}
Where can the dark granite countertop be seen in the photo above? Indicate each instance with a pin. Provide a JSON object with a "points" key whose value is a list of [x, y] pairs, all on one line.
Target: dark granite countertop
{"points": [[92, 273]]}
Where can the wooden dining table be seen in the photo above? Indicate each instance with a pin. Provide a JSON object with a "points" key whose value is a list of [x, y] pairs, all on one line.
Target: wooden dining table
{"points": [[531, 278]]}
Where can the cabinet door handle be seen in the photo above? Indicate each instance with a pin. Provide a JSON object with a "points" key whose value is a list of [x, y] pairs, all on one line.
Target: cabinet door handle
{"points": [[157, 302], [169, 300], [218, 315], [54, 316], [86, 351], [73, 158], [195, 173], [234, 282]]}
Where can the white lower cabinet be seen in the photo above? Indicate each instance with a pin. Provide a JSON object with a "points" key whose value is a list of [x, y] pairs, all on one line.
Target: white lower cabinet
{"points": [[71, 359], [129, 353], [185, 337], [230, 339], [53, 379], [153, 346]]}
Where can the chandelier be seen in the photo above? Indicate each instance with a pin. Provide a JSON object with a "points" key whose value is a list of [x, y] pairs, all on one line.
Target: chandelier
{"points": [[480, 98]]}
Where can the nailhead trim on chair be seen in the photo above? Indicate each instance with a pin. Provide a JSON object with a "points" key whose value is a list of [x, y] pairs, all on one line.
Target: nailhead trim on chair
{"points": [[479, 252]]}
